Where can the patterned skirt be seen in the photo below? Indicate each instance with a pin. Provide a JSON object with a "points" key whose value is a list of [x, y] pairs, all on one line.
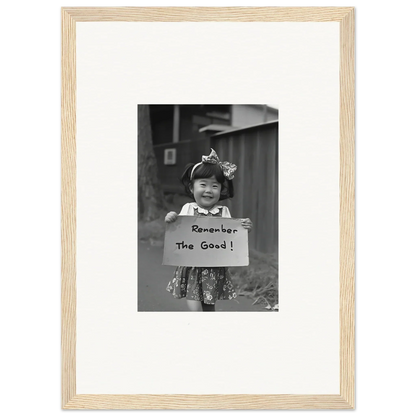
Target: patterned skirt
{"points": [[206, 284]]}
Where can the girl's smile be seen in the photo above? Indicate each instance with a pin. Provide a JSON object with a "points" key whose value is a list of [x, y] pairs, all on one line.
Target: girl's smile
{"points": [[206, 191]]}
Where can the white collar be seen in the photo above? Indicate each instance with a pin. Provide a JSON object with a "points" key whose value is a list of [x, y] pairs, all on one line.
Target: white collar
{"points": [[214, 210]]}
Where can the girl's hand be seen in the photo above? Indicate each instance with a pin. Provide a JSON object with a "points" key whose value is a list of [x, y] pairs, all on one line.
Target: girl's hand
{"points": [[247, 224], [171, 216]]}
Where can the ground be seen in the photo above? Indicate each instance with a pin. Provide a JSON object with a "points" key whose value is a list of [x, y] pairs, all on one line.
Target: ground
{"points": [[154, 277]]}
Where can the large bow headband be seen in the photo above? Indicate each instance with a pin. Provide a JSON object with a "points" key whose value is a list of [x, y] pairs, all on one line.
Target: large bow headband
{"points": [[228, 168]]}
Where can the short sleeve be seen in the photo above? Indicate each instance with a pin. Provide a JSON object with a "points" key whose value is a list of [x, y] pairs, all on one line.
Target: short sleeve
{"points": [[226, 212], [187, 210]]}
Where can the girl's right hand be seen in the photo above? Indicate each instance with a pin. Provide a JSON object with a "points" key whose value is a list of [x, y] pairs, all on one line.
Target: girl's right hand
{"points": [[171, 216]]}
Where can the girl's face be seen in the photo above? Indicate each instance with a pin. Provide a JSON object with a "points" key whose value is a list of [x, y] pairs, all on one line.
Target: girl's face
{"points": [[206, 191]]}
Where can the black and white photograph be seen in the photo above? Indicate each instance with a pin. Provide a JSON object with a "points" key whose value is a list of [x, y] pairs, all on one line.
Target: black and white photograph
{"points": [[201, 167]]}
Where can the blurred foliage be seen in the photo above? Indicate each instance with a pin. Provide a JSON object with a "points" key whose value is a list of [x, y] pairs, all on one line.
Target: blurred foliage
{"points": [[259, 281]]}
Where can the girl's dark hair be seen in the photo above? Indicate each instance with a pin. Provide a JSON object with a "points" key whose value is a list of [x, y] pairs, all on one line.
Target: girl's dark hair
{"points": [[206, 170]]}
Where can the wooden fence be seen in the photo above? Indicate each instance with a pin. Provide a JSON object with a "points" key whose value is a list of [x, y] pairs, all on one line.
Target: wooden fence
{"points": [[255, 152]]}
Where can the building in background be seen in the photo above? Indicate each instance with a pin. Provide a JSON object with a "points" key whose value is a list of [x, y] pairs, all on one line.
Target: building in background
{"points": [[182, 133], [178, 123]]}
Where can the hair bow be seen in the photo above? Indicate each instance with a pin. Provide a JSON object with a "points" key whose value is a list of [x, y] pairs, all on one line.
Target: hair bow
{"points": [[228, 168]]}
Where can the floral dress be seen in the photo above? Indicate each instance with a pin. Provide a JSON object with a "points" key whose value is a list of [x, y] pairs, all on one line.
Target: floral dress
{"points": [[205, 284]]}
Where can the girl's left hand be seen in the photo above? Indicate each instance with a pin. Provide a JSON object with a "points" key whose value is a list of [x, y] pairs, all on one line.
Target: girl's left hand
{"points": [[247, 224]]}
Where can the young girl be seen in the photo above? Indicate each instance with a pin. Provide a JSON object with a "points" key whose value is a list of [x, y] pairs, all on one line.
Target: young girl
{"points": [[207, 182]]}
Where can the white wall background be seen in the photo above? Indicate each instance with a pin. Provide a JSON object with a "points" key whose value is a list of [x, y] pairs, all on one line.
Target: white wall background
{"points": [[304, 340]]}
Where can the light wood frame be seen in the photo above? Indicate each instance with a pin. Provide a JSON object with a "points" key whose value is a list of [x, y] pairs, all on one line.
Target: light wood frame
{"points": [[343, 15]]}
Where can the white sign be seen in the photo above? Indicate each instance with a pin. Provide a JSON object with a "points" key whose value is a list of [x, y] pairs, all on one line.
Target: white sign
{"points": [[206, 241]]}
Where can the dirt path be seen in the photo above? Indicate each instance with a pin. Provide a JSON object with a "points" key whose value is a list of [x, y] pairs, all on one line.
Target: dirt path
{"points": [[153, 279]]}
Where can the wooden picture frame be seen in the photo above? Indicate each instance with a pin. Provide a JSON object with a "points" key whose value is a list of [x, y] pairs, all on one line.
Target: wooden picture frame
{"points": [[345, 400]]}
